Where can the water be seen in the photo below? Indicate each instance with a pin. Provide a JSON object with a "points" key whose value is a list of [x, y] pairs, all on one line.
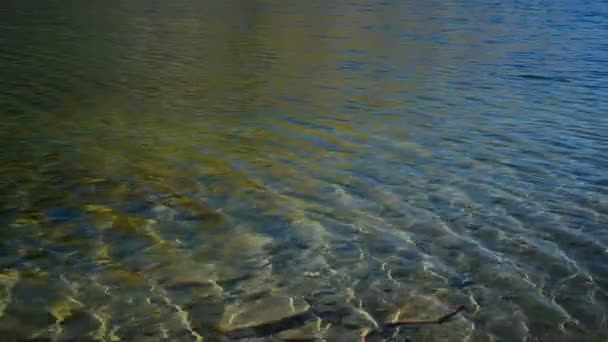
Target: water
{"points": [[206, 170]]}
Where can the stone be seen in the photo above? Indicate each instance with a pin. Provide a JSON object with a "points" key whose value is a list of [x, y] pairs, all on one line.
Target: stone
{"points": [[425, 307], [263, 312], [358, 318], [311, 331], [97, 209], [310, 234], [338, 333], [80, 323], [418, 308], [246, 244]]}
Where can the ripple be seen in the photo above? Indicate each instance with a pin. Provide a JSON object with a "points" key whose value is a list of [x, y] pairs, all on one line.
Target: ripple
{"points": [[168, 173]]}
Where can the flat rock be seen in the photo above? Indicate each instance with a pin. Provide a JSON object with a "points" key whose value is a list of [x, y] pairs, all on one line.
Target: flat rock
{"points": [[311, 331], [263, 312], [246, 244], [310, 233], [344, 335], [425, 307], [359, 319], [79, 323], [421, 307]]}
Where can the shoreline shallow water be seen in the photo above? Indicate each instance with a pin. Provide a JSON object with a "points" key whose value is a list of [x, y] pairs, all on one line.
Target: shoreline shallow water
{"points": [[276, 170]]}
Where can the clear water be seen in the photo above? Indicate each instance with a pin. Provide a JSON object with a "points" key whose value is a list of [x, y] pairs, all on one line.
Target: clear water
{"points": [[180, 170]]}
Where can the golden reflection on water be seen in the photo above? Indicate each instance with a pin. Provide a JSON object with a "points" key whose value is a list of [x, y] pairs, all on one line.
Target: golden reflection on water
{"points": [[170, 168]]}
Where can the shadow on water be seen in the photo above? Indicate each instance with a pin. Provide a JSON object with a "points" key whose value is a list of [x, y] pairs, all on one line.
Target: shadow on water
{"points": [[302, 171]]}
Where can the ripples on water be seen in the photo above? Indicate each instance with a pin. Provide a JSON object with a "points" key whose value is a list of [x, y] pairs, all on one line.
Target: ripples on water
{"points": [[177, 170]]}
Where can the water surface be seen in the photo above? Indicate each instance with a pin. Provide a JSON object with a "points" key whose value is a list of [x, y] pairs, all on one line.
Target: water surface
{"points": [[176, 170]]}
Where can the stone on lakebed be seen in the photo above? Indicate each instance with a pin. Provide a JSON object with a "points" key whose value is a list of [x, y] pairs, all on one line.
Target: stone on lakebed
{"points": [[263, 313]]}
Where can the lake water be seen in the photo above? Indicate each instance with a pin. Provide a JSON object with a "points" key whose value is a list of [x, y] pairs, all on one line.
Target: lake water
{"points": [[278, 170]]}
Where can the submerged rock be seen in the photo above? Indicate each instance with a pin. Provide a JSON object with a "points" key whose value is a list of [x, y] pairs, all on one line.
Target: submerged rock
{"points": [[97, 209], [342, 334], [264, 317], [418, 308], [79, 323], [311, 331], [424, 308], [309, 233], [120, 278], [246, 244]]}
